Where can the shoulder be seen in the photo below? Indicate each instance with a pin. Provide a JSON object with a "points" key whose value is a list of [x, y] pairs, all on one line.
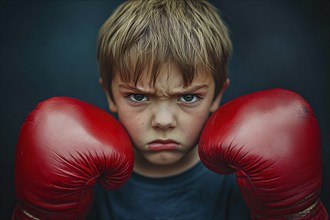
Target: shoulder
{"points": [[225, 182]]}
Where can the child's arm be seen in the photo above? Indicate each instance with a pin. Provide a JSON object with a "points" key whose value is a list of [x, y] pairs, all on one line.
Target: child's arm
{"points": [[271, 139], [65, 146]]}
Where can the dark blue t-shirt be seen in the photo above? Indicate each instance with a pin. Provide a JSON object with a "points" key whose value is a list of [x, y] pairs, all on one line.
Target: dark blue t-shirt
{"points": [[197, 193]]}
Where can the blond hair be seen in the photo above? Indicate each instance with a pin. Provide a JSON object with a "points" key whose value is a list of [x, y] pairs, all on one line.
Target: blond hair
{"points": [[141, 35]]}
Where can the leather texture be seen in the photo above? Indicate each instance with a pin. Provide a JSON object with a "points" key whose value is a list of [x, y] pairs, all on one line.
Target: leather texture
{"points": [[65, 146], [271, 139]]}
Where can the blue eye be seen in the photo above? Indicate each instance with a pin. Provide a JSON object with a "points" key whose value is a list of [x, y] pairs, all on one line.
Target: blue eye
{"points": [[189, 98], [137, 98]]}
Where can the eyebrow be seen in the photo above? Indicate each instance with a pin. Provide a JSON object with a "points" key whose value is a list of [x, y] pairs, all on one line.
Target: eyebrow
{"points": [[187, 90]]}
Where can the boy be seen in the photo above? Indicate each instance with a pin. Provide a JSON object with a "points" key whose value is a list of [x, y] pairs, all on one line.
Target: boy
{"points": [[163, 67]]}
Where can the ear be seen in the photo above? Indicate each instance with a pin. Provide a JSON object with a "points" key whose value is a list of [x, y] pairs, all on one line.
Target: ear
{"points": [[111, 104], [216, 102]]}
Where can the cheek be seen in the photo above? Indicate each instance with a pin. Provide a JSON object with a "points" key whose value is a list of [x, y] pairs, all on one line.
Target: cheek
{"points": [[193, 125], [133, 123]]}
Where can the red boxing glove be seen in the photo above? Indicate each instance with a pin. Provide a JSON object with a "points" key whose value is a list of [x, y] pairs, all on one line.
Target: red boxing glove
{"points": [[64, 147], [271, 139]]}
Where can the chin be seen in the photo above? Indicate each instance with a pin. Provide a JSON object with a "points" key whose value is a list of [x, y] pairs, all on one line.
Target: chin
{"points": [[164, 158]]}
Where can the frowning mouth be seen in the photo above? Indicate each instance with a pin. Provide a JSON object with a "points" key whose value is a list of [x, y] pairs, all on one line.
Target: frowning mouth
{"points": [[163, 145]]}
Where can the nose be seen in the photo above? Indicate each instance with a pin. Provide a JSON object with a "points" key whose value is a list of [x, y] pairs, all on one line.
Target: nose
{"points": [[163, 117]]}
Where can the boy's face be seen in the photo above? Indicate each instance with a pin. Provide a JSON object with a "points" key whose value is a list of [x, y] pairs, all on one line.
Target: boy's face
{"points": [[164, 121]]}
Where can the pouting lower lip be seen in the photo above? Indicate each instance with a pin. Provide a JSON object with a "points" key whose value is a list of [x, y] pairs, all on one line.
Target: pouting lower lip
{"points": [[167, 141], [160, 145]]}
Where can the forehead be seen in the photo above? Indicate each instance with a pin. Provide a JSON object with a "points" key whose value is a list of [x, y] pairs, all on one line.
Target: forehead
{"points": [[169, 78]]}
